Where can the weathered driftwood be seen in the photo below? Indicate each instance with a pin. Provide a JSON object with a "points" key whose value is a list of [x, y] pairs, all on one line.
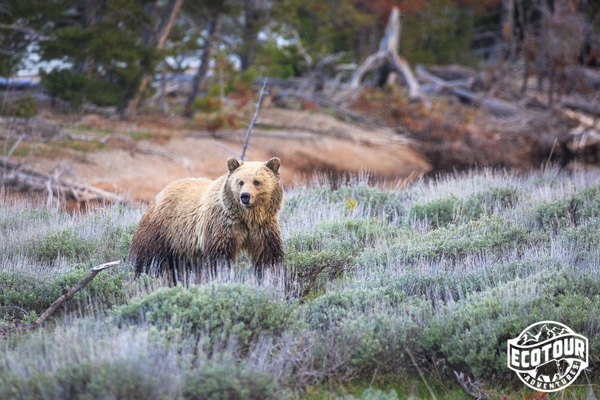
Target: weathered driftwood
{"points": [[80, 285], [436, 83], [494, 106], [582, 105], [24, 178], [387, 60], [321, 74], [36, 128], [588, 131]]}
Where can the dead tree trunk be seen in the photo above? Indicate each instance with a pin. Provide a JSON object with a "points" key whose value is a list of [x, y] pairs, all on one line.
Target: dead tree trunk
{"points": [[387, 60], [209, 43], [508, 22], [158, 41]]}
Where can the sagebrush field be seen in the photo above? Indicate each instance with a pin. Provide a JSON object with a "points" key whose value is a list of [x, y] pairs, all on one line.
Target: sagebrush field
{"points": [[393, 291]]}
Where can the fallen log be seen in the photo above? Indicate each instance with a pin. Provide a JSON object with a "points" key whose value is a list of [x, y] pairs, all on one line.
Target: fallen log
{"points": [[27, 179], [586, 106], [436, 83], [494, 106], [587, 133]]}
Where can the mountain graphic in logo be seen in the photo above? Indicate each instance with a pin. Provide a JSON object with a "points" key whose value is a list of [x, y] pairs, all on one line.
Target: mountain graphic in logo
{"points": [[545, 333]]}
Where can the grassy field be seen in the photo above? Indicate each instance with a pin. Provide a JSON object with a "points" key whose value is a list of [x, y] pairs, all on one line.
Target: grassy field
{"points": [[393, 292]]}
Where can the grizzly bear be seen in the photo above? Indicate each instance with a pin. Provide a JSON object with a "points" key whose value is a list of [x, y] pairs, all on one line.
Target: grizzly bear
{"points": [[197, 224]]}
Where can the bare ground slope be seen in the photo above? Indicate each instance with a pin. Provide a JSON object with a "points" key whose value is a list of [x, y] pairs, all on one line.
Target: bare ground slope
{"points": [[163, 151]]}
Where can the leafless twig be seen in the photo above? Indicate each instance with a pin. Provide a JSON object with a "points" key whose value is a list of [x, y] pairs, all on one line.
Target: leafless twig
{"points": [[469, 387], [262, 91], [70, 293]]}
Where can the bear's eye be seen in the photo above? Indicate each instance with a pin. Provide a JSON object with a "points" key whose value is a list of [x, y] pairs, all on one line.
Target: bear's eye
{"points": [[241, 183], [256, 183]]}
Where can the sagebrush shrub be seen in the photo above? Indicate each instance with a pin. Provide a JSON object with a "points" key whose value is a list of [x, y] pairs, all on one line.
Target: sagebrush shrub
{"points": [[34, 292], [472, 334], [229, 381], [219, 311], [327, 252], [122, 379], [66, 244]]}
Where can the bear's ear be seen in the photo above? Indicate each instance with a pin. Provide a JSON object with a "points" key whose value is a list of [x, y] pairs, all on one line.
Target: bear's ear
{"points": [[232, 164], [274, 164]]}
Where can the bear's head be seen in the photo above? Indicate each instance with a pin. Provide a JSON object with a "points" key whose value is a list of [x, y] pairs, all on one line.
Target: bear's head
{"points": [[255, 184]]}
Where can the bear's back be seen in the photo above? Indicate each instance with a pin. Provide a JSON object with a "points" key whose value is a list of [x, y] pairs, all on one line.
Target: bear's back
{"points": [[181, 207]]}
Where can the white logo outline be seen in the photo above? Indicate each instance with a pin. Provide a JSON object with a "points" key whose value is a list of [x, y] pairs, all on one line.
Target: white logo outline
{"points": [[530, 373]]}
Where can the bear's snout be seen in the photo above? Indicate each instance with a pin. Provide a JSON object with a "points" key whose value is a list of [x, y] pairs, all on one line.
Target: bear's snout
{"points": [[245, 198]]}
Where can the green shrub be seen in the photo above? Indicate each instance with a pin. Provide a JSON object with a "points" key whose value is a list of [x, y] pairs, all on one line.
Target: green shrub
{"points": [[472, 334], [359, 345], [66, 85], [207, 104], [347, 235], [441, 212], [582, 205], [281, 61], [112, 88], [583, 238], [65, 244], [230, 381], [493, 235], [17, 219], [24, 107], [438, 212], [242, 82], [374, 201], [220, 311], [328, 251], [115, 243], [34, 293], [314, 269], [99, 380], [375, 394], [369, 201], [554, 214], [337, 306]]}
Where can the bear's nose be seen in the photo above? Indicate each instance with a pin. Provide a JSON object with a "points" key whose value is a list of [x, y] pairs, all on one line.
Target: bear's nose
{"points": [[245, 198]]}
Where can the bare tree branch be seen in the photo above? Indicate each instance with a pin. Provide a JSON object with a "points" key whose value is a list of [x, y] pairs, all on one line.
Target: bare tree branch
{"points": [[471, 388], [80, 285], [23, 29], [262, 91], [301, 48], [166, 23]]}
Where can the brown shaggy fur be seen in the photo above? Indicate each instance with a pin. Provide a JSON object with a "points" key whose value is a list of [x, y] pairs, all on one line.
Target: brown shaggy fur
{"points": [[195, 223]]}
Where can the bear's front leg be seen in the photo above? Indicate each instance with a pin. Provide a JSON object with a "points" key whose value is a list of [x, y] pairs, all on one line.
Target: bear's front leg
{"points": [[222, 248], [265, 248]]}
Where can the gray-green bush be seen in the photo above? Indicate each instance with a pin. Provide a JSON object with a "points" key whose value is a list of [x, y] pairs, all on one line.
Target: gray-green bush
{"points": [[219, 311]]}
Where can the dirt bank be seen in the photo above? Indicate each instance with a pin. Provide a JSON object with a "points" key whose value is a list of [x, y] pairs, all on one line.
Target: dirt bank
{"points": [[139, 159]]}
